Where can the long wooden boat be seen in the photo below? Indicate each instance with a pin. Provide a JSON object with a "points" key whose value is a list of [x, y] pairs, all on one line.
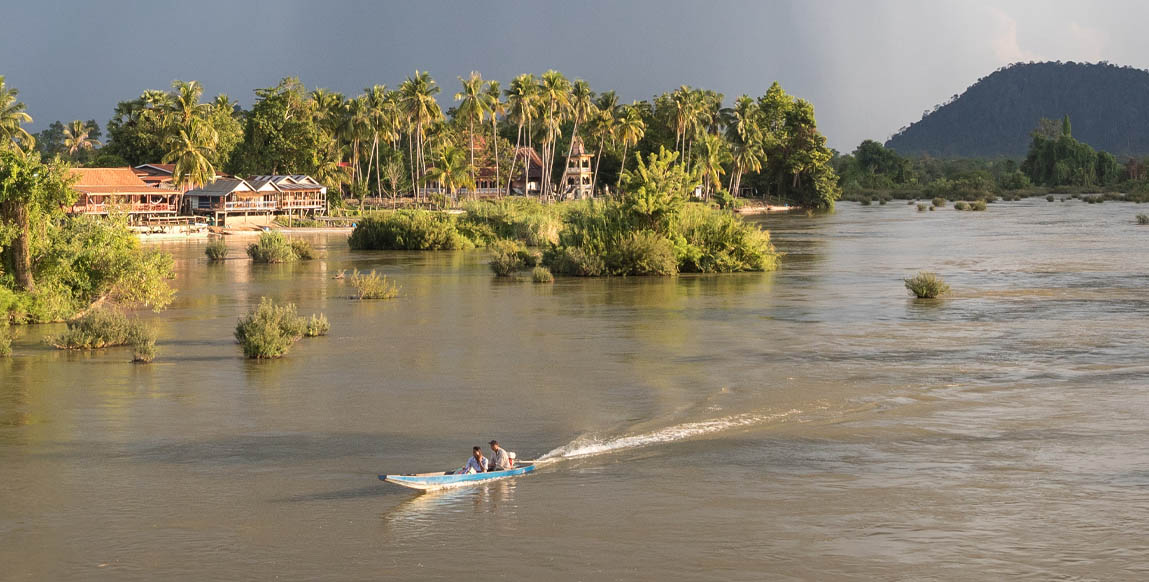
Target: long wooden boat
{"points": [[447, 479]]}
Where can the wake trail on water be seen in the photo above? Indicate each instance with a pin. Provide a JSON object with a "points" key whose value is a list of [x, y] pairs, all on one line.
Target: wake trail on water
{"points": [[590, 445]]}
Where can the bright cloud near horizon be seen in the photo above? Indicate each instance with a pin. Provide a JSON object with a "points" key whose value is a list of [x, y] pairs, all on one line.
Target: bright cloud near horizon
{"points": [[869, 68]]}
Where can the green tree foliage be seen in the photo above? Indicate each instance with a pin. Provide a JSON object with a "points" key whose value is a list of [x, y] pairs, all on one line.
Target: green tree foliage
{"points": [[1109, 106], [281, 135], [1064, 161], [31, 193], [175, 127]]}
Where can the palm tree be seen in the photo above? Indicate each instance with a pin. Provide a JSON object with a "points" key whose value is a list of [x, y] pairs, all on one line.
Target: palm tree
{"points": [[451, 171], [712, 154], [680, 117], [555, 97], [191, 149], [474, 106], [603, 129], [12, 118], [184, 103], [417, 99], [77, 137], [497, 107], [521, 106], [745, 136], [582, 107], [354, 128], [630, 129]]}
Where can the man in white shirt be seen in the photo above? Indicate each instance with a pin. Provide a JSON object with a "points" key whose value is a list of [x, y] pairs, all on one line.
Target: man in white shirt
{"points": [[475, 464], [499, 459]]}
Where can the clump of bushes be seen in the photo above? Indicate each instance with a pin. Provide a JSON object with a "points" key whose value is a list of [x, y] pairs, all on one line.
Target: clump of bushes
{"points": [[97, 329], [1050, 198], [511, 256], [409, 230], [216, 250], [5, 342], [143, 342], [317, 326], [270, 330], [373, 285], [961, 205], [542, 275], [922, 207], [978, 205], [926, 285], [273, 247], [1143, 219], [939, 202]]}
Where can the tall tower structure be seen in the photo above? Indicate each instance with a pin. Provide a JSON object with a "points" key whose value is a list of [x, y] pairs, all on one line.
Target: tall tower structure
{"points": [[578, 179]]}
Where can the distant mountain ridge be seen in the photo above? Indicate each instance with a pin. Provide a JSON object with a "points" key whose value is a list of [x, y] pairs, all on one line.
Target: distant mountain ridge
{"points": [[1109, 107]]}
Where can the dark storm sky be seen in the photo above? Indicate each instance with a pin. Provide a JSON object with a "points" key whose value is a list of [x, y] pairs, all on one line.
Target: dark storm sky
{"points": [[868, 67]]}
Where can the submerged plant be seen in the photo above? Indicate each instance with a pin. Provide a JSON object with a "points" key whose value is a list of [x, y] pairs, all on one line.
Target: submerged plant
{"points": [[1143, 219], [961, 205], [272, 247], [978, 205], [373, 285], [939, 202], [270, 330], [317, 326], [509, 257], [216, 250], [97, 329], [926, 285], [542, 275], [922, 207], [143, 342]]}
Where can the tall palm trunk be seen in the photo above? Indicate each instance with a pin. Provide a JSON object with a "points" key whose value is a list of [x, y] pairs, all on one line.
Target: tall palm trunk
{"points": [[597, 161], [514, 160], [621, 169], [411, 158], [495, 137], [473, 181]]}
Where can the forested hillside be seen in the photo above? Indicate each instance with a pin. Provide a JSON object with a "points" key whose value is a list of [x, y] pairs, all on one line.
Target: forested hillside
{"points": [[1109, 106]]}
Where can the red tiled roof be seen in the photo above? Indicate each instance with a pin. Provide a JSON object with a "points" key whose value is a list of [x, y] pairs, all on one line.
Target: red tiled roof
{"points": [[109, 181]]}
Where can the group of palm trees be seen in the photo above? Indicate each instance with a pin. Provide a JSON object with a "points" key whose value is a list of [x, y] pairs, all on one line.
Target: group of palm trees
{"points": [[403, 139]]}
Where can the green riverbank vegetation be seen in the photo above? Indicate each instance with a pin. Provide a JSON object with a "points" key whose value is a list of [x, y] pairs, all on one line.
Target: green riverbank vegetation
{"points": [[1056, 163], [927, 285], [269, 330], [388, 143], [650, 230], [104, 328]]}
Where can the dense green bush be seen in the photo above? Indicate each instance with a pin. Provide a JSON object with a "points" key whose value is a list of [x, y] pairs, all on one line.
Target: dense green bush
{"points": [[978, 205], [522, 219], [939, 201], [1143, 219], [373, 285], [5, 342], [302, 249], [409, 230], [922, 207], [961, 205], [270, 330], [542, 275], [216, 250], [926, 285], [511, 256], [99, 328], [272, 247], [143, 342], [317, 326]]}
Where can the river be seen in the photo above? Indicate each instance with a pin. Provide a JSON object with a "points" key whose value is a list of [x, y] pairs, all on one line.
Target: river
{"points": [[814, 423]]}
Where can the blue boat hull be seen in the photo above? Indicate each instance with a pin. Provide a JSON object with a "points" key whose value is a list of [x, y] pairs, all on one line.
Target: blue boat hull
{"points": [[430, 481]]}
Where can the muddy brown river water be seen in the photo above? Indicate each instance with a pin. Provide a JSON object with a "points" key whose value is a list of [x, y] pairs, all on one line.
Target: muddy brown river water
{"points": [[810, 424]]}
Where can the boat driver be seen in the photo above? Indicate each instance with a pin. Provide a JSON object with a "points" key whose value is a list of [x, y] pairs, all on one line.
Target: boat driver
{"points": [[499, 459]]}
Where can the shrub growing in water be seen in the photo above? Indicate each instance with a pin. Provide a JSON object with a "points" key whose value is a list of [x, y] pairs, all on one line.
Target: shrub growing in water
{"points": [[143, 342], [272, 247], [5, 342], [961, 205], [317, 326], [926, 285], [302, 249], [373, 285], [99, 328], [939, 202], [542, 275], [1143, 219], [408, 230], [978, 205], [922, 207], [509, 256], [270, 330], [216, 250]]}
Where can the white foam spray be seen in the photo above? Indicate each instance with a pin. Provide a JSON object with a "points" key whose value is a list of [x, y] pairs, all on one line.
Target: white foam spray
{"points": [[591, 445]]}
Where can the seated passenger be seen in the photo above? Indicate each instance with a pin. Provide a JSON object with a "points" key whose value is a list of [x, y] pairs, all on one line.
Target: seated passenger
{"points": [[499, 459], [475, 464]]}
